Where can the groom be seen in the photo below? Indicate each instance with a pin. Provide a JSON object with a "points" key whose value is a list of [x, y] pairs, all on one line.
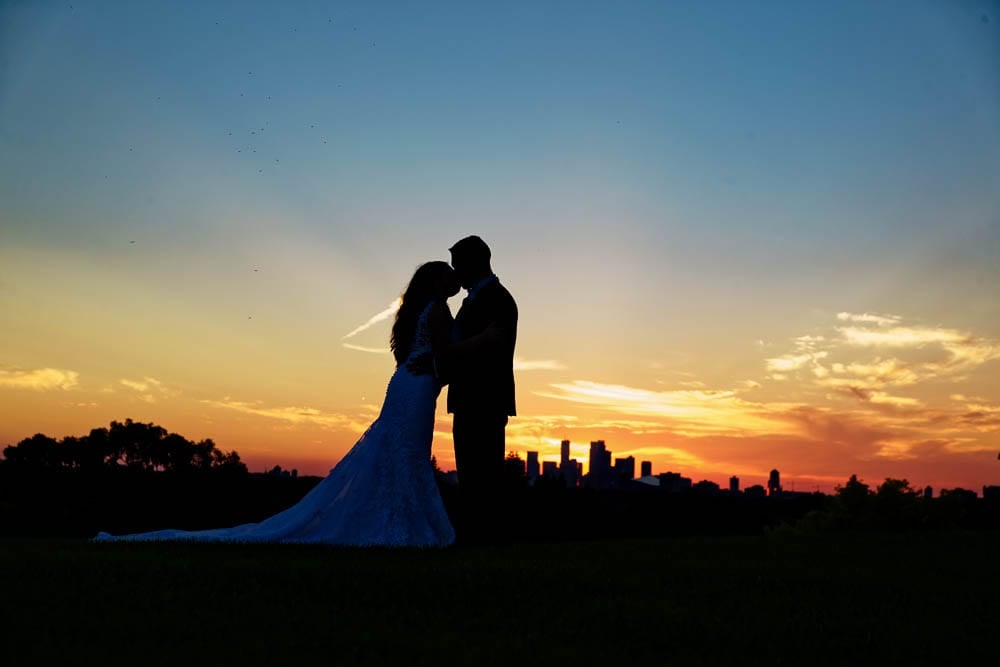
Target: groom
{"points": [[479, 368], [481, 373]]}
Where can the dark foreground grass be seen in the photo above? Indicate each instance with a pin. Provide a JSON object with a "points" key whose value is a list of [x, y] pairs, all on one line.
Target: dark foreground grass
{"points": [[778, 600]]}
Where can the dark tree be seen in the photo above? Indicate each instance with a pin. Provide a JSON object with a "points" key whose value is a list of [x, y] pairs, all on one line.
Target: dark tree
{"points": [[514, 470], [130, 445], [38, 451], [855, 495]]}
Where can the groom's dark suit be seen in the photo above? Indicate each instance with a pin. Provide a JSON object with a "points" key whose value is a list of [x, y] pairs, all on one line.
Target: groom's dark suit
{"points": [[481, 387]]}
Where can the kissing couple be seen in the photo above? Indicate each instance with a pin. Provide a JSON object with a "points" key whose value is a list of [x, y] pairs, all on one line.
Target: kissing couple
{"points": [[384, 492]]}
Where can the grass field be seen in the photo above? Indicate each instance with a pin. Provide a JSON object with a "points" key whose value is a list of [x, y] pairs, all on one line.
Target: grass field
{"points": [[778, 600]]}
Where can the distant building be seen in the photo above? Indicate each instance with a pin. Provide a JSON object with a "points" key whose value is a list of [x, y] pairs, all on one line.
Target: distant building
{"points": [[959, 494], [570, 473], [706, 487], [569, 469], [550, 469], [600, 465], [277, 471], [755, 491], [625, 469], [673, 482], [533, 469], [647, 468], [774, 483], [928, 492], [734, 484]]}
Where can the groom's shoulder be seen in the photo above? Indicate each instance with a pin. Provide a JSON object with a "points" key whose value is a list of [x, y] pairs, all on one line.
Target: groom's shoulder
{"points": [[501, 293]]}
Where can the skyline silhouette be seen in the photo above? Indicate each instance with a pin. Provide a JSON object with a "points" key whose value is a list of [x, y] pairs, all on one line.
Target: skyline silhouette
{"points": [[148, 447]]}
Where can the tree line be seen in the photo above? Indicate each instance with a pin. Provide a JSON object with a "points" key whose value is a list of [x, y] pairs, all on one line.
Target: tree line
{"points": [[896, 505], [128, 445]]}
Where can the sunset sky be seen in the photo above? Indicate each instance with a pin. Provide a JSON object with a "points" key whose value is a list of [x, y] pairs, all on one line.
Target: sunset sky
{"points": [[741, 235]]}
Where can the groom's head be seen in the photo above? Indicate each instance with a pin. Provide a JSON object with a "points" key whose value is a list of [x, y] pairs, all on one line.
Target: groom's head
{"points": [[470, 258]]}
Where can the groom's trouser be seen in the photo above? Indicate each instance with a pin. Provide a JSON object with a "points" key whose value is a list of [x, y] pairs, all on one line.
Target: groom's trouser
{"points": [[479, 454], [480, 447]]}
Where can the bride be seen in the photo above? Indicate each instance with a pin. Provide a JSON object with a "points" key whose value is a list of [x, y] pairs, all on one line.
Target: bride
{"points": [[383, 492]]}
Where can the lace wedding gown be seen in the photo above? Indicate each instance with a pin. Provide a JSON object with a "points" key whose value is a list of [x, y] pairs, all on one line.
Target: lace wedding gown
{"points": [[382, 493]]}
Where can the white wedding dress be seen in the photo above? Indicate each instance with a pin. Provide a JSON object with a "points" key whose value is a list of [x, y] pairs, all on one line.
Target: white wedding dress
{"points": [[382, 493]]}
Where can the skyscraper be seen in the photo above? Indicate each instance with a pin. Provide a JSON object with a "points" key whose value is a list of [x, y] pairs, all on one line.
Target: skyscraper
{"points": [[734, 484], [571, 473], [774, 483], [567, 466], [600, 464], [647, 468], [625, 468], [533, 470]]}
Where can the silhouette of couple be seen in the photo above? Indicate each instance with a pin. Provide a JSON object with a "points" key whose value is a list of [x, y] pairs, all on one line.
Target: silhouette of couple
{"points": [[383, 492]]}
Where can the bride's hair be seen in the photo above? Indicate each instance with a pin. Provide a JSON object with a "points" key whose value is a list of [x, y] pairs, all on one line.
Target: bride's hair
{"points": [[420, 292]]}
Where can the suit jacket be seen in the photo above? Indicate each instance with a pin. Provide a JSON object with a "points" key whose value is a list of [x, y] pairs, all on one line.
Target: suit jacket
{"points": [[481, 379]]}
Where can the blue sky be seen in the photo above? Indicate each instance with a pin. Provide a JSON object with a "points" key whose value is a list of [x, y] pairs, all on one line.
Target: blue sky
{"points": [[659, 181]]}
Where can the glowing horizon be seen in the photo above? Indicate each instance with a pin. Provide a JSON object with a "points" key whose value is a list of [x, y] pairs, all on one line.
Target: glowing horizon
{"points": [[740, 237]]}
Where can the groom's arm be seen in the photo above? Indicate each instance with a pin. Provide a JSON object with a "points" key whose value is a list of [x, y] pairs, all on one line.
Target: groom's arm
{"points": [[498, 336], [445, 354]]}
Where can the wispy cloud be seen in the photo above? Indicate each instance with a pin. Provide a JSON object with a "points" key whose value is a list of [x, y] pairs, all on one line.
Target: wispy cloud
{"points": [[375, 319], [293, 414], [873, 375], [868, 318], [903, 336], [138, 385], [670, 456], [41, 379], [538, 365], [961, 351], [692, 384], [149, 389], [808, 342], [362, 348], [792, 362], [893, 354], [883, 398], [686, 411]]}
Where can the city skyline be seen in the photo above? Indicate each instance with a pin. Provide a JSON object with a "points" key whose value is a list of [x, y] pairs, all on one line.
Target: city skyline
{"points": [[740, 235], [569, 472]]}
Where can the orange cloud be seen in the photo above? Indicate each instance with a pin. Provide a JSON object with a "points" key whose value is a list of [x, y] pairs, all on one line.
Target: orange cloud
{"points": [[42, 379], [294, 415], [918, 354], [867, 318], [538, 365], [150, 389], [687, 411]]}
